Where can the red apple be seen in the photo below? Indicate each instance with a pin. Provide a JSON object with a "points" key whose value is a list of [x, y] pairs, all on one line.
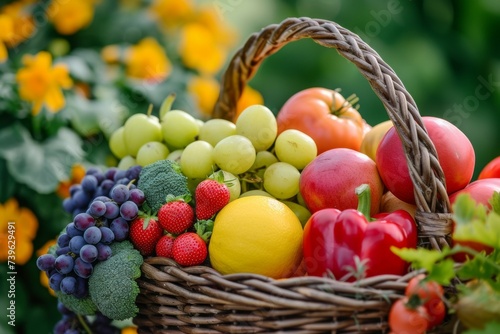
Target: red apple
{"points": [[481, 191], [330, 180], [455, 153]]}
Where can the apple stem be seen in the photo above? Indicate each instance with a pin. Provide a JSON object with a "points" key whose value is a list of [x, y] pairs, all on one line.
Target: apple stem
{"points": [[166, 105], [364, 200]]}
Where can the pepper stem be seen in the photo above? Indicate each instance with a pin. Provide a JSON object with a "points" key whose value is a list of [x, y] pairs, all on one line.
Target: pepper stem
{"points": [[364, 200]]}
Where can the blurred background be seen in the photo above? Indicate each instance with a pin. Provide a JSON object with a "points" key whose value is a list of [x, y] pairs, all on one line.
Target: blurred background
{"points": [[71, 72]]}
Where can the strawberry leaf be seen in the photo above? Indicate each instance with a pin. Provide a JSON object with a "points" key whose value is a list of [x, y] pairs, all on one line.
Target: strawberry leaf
{"points": [[204, 228], [172, 198], [145, 223]]}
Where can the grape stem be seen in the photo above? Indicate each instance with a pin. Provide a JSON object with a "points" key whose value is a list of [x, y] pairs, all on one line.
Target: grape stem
{"points": [[166, 106], [150, 110], [84, 324]]}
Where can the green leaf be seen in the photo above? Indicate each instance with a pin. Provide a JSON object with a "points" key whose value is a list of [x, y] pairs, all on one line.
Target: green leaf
{"points": [[465, 210], [485, 231], [78, 67], [480, 267], [7, 184], [442, 272], [437, 264], [495, 202], [90, 117], [489, 328], [41, 166], [475, 223], [421, 258], [13, 138]]}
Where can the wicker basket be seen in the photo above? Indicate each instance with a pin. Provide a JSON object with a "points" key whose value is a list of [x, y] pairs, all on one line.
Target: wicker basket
{"points": [[198, 299]]}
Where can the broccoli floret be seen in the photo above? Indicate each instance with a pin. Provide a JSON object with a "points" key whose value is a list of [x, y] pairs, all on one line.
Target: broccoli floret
{"points": [[160, 179], [82, 306], [112, 286]]}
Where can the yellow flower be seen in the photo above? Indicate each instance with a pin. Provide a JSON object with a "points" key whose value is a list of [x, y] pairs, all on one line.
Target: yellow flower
{"points": [[172, 13], [77, 174], [199, 50], [222, 33], [18, 227], [41, 84], [129, 330], [69, 16], [147, 60], [249, 97], [22, 22], [205, 90], [111, 54], [6, 32], [44, 280]]}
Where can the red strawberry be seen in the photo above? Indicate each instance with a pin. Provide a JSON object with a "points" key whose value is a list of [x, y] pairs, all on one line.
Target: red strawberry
{"points": [[164, 246], [176, 216], [144, 234], [189, 249], [211, 196]]}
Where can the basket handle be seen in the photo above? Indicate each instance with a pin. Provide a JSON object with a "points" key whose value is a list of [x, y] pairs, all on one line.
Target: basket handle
{"points": [[432, 201]]}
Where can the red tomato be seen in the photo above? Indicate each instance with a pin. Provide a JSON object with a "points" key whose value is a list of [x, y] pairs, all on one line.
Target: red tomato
{"points": [[436, 309], [430, 295], [324, 115], [481, 191], [426, 291], [455, 153], [406, 320], [491, 170]]}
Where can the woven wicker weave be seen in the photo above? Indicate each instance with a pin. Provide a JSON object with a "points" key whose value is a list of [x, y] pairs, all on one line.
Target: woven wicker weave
{"points": [[200, 300]]}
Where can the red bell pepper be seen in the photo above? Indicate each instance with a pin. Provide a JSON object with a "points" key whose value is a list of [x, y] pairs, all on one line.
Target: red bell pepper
{"points": [[337, 242]]}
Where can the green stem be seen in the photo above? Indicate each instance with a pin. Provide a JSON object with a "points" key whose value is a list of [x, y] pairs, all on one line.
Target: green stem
{"points": [[84, 324], [150, 110], [351, 101], [364, 200], [36, 122]]}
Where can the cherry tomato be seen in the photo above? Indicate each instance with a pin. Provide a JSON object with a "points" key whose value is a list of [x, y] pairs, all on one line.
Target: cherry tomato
{"points": [[425, 290], [491, 170], [436, 309], [430, 295], [406, 320], [326, 116]]}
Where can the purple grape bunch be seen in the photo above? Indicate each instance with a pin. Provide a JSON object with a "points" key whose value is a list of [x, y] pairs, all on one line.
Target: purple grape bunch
{"points": [[71, 324], [96, 183], [86, 240]]}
